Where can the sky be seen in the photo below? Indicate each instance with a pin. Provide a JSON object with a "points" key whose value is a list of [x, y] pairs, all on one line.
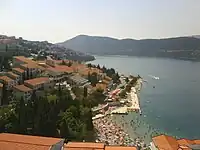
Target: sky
{"points": [[60, 20]]}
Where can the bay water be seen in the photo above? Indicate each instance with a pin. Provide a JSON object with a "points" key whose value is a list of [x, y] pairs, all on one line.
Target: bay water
{"points": [[173, 106]]}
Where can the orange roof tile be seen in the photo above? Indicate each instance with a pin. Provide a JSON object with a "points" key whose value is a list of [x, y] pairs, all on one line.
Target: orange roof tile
{"points": [[6, 79], [185, 142], [165, 142], [120, 148], [22, 88], [84, 146], [61, 68], [30, 65], [37, 81], [26, 142], [24, 59], [18, 70], [12, 74], [196, 141]]}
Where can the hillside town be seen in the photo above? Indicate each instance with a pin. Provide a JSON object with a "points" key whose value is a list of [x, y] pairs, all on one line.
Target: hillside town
{"points": [[119, 96]]}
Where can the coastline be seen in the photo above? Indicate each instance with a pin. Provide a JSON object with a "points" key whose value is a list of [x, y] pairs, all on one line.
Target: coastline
{"points": [[109, 129]]}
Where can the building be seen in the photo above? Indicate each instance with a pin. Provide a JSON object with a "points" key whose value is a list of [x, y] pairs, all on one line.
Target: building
{"points": [[59, 72], [14, 76], [84, 145], [38, 83], [78, 80], [19, 60], [164, 142], [26, 142], [9, 83], [19, 72], [22, 91]]}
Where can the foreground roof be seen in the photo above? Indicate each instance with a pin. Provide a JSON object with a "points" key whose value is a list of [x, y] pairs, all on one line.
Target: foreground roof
{"points": [[120, 148], [164, 142], [84, 146], [26, 142]]}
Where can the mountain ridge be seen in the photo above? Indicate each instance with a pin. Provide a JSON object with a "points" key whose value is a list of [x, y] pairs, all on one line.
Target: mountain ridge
{"points": [[175, 47]]}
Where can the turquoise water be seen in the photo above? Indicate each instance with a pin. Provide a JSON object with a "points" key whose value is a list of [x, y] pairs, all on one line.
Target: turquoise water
{"points": [[173, 106]]}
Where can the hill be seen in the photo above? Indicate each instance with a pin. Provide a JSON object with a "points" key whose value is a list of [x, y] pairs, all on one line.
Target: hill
{"points": [[179, 47], [10, 46]]}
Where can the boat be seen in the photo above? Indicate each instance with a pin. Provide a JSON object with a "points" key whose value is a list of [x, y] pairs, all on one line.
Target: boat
{"points": [[154, 87], [154, 77]]}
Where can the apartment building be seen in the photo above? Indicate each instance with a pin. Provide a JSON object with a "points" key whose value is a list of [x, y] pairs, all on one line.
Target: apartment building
{"points": [[14, 76], [39, 83], [22, 91], [9, 83], [19, 72]]}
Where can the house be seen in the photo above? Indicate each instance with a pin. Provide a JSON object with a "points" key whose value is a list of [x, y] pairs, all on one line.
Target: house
{"points": [[32, 70], [78, 80], [9, 83], [165, 142], [59, 72], [22, 91], [26, 142], [39, 83], [18, 60], [14, 76], [19, 72]]}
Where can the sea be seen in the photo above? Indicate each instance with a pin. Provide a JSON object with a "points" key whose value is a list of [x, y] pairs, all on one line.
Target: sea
{"points": [[170, 105]]}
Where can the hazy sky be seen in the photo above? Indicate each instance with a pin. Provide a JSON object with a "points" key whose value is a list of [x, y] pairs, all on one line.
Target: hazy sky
{"points": [[59, 20]]}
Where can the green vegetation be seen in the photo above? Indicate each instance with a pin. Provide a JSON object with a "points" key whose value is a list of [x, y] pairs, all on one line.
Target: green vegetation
{"points": [[56, 114]]}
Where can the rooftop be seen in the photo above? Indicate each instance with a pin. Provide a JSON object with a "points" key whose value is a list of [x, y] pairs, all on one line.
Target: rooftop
{"points": [[12, 74], [120, 148], [6, 79], [22, 88], [164, 142], [61, 68], [18, 70], [25, 142], [37, 81], [84, 146], [24, 59]]}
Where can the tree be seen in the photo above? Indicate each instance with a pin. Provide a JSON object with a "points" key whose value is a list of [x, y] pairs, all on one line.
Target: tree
{"points": [[85, 92], [98, 66], [93, 79], [27, 73]]}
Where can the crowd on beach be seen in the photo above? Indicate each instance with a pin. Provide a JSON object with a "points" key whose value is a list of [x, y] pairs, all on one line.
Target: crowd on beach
{"points": [[108, 132]]}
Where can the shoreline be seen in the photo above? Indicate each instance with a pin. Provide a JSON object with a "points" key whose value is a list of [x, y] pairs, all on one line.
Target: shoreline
{"points": [[108, 130]]}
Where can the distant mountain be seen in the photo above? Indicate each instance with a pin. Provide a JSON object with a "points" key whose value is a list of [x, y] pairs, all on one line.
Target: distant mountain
{"points": [[18, 46], [178, 47]]}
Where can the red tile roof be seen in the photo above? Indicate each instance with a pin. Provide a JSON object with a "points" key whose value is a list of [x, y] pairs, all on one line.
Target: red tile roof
{"points": [[26, 142], [120, 148], [61, 68], [22, 88], [24, 59], [37, 81], [30, 65], [84, 146], [6, 79], [13, 75], [164, 142], [18, 70]]}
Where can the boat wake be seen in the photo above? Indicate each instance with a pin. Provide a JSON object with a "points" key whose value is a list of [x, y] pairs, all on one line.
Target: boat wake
{"points": [[154, 77]]}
